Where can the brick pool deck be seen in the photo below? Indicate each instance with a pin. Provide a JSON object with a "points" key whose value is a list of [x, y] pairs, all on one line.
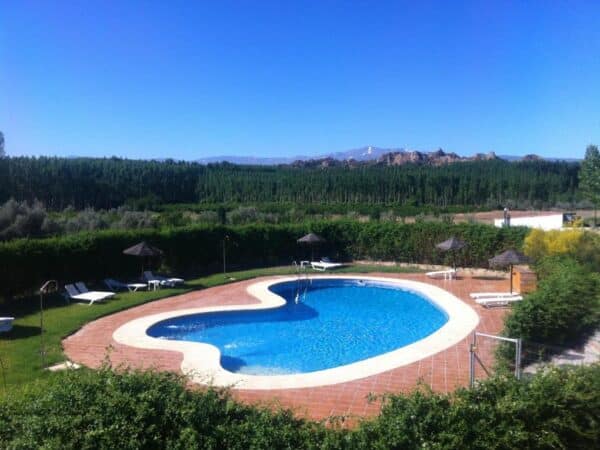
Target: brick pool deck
{"points": [[93, 345]]}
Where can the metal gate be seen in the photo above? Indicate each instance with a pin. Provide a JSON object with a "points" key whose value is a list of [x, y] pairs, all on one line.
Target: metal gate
{"points": [[475, 358]]}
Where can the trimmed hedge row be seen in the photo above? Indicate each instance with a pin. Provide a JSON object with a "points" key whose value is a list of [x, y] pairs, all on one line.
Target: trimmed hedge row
{"points": [[26, 263]]}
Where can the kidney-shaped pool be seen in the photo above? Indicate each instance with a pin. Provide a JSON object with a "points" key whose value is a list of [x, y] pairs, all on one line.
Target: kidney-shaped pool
{"points": [[324, 323], [306, 332]]}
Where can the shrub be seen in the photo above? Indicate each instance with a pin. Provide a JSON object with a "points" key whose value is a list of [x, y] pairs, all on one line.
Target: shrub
{"points": [[19, 219], [104, 409], [86, 220], [563, 310], [539, 244], [86, 409], [554, 409], [135, 219]]}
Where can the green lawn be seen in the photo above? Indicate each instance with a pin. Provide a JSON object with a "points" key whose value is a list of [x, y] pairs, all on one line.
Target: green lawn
{"points": [[20, 349]]}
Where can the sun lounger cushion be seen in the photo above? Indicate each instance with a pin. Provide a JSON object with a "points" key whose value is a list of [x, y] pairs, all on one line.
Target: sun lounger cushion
{"points": [[498, 301], [323, 266], [445, 274]]}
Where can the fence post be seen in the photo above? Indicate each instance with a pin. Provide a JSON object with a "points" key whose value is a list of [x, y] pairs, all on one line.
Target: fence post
{"points": [[472, 360], [518, 359]]}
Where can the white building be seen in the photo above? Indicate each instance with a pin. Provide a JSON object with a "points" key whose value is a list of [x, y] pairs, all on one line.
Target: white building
{"points": [[545, 222]]}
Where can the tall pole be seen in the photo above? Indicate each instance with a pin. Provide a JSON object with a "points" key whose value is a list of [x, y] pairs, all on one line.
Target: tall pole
{"points": [[225, 239], [224, 260], [42, 346], [48, 286], [472, 348]]}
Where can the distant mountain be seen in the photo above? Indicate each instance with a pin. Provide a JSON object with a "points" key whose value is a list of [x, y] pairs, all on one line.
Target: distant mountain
{"points": [[246, 160], [361, 154], [389, 156], [398, 158], [367, 153]]}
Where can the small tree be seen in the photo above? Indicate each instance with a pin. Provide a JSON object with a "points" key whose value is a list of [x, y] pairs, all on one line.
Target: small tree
{"points": [[2, 153], [589, 176]]}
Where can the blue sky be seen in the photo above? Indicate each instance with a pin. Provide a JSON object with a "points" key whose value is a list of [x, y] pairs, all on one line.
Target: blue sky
{"points": [[193, 79]]}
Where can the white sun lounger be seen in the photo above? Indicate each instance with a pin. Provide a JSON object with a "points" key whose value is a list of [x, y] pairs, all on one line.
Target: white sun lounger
{"points": [[6, 324], [91, 297], [115, 285], [492, 294], [445, 274], [82, 288], [498, 301], [164, 281], [322, 266]]}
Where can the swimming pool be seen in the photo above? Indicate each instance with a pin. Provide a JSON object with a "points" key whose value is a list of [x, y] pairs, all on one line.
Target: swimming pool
{"points": [[204, 362], [324, 323]]}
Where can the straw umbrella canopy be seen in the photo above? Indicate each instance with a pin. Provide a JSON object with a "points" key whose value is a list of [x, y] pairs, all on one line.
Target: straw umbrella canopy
{"points": [[143, 250], [451, 244], [311, 239], [508, 259]]}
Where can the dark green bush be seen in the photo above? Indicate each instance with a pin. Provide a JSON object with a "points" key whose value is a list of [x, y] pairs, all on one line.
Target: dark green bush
{"points": [[555, 409], [89, 410], [563, 310], [86, 409]]}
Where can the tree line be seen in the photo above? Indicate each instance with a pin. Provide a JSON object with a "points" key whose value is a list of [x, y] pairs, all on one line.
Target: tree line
{"points": [[105, 183]]}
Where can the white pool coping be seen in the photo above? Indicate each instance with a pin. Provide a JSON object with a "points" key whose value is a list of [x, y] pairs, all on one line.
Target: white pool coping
{"points": [[201, 362]]}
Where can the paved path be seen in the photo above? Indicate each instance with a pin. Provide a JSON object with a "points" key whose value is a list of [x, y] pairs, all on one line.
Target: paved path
{"points": [[93, 344]]}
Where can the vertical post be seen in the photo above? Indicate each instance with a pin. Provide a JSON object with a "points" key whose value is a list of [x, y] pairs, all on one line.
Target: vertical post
{"points": [[224, 259], [42, 346], [48, 286], [472, 360], [518, 359], [225, 240]]}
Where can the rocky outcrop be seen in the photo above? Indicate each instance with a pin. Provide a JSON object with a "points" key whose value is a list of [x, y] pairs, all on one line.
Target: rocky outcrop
{"points": [[397, 158], [437, 158], [531, 157]]}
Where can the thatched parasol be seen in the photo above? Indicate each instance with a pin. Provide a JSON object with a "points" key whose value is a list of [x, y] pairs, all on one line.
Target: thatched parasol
{"points": [[451, 244], [508, 259], [143, 250], [311, 239]]}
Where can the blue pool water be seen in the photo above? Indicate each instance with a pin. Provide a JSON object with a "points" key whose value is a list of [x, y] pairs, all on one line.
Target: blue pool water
{"points": [[335, 322]]}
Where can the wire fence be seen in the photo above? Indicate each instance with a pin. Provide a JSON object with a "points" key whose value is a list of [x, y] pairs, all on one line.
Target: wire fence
{"points": [[489, 353]]}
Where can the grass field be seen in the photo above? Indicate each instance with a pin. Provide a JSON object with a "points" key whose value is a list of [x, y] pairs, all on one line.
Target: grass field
{"points": [[20, 349]]}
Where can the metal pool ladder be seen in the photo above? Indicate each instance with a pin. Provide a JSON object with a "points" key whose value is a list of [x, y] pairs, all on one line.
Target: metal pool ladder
{"points": [[302, 280]]}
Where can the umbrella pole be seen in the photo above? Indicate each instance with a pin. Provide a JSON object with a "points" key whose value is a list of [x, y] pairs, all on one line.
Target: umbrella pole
{"points": [[510, 275]]}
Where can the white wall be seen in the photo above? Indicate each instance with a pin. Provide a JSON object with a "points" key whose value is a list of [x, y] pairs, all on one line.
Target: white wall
{"points": [[553, 222]]}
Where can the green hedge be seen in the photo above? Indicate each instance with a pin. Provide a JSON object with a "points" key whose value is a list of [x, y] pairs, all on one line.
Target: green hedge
{"points": [[563, 311], [25, 263], [129, 410]]}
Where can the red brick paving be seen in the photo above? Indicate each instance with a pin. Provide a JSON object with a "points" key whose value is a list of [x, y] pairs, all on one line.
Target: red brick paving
{"points": [[443, 372]]}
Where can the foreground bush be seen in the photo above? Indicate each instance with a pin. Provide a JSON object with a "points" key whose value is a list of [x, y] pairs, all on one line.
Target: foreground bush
{"points": [[563, 311], [86, 409], [555, 409], [89, 410]]}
